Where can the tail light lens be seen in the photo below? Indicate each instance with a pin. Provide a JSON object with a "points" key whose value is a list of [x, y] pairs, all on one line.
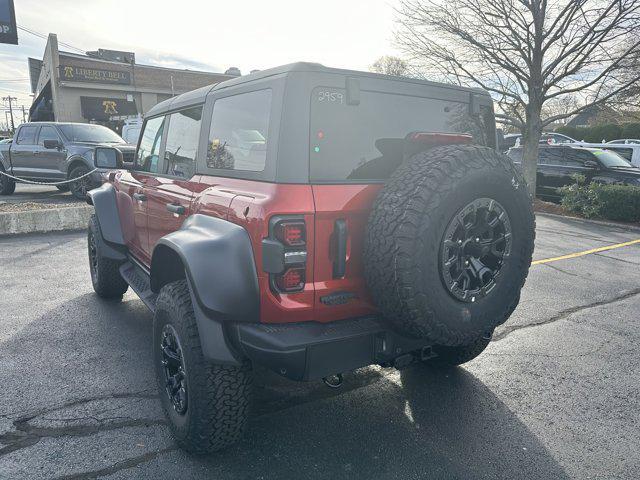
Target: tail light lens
{"points": [[291, 233], [292, 280]]}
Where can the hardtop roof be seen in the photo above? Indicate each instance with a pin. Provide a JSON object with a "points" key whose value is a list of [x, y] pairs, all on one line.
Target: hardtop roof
{"points": [[198, 96]]}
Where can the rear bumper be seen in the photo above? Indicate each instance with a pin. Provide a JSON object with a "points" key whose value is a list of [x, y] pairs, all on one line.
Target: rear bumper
{"points": [[311, 350]]}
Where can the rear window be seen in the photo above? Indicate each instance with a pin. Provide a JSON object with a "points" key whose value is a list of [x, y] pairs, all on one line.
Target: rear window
{"points": [[366, 141]]}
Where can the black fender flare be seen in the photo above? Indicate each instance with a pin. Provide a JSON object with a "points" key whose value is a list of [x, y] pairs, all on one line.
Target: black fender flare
{"points": [[104, 203], [218, 260]]}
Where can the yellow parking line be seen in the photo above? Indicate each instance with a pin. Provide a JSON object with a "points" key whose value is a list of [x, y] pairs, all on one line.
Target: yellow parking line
{"points": [[586, 252]]}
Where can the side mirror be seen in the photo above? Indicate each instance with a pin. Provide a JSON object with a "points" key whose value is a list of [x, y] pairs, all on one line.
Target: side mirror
{"points": [[107, 157], [52, 144], [591, 164]]}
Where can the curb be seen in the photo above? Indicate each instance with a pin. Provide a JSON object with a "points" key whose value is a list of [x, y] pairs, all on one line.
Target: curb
{"points": [[47, 220], [604, 223]]}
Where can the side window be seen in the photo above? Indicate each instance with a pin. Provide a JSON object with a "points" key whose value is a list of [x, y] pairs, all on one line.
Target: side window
{"points": [[626, 153], [576, 158], [47, 133], [182, 142], [27, 135], [553, 156], [238, 134], [148, 153]]}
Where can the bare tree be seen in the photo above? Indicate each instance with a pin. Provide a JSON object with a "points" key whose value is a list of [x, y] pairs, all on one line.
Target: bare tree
{"points": [[527, 53], [390, 65]]}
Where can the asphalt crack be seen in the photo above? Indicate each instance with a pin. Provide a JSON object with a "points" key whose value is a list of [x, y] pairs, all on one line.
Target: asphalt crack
{"points": [[564, 314], [24, 434], [116, 467]]}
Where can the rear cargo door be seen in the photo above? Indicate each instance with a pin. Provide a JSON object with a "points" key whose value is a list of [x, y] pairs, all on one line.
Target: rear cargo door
{"points": [[357, 139], [340, 223]]}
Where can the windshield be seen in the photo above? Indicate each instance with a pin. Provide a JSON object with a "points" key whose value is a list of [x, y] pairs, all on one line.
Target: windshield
{"points": [[611, 159], [90, 133]]}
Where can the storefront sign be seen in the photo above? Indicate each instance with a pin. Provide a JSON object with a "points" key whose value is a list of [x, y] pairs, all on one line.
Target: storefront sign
{"points": [[100, 108], [8, 27], [72, 73]]}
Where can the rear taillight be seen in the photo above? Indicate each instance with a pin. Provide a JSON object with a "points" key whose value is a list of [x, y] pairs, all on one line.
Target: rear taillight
{"points": [[284, 254], [291, 233], [292, 280]]}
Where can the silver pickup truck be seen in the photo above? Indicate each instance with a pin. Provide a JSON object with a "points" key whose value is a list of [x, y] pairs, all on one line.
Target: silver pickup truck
{"points": [[52, 152]]}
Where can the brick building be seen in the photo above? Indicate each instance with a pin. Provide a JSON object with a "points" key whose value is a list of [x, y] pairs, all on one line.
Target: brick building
{"points": [[105, 86]]}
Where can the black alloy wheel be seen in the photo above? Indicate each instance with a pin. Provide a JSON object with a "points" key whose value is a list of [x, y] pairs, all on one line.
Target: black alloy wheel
{"points": [[80, 187], [174, 369], [475, 245]]}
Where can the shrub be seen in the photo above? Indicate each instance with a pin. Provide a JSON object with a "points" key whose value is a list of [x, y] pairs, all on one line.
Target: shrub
{"points": [[597, 133], [613, 202]]}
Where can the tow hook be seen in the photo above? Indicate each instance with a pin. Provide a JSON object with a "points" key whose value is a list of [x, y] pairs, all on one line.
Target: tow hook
{"points": [[333, 381]]}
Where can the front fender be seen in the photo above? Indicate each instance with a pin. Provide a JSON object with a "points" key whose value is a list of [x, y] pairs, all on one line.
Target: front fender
{"points": [[104, 203], [218, 259]]}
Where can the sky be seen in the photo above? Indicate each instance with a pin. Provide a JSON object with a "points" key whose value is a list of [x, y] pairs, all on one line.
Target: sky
{"points": [[203, 35]]}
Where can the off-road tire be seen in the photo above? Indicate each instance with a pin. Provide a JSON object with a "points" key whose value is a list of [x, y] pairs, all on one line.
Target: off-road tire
{"points": [[406, 231], [105, 272], [218, 396], [76, 187], [7, 185], [452, 356], [63, 188]]}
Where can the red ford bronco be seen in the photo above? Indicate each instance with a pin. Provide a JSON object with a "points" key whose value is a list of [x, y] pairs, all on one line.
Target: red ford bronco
{"points": [[313, 221]]}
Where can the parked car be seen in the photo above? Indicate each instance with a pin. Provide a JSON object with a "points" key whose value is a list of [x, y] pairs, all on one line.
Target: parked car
{"points": [[313, 221], [626, 141], [5, 140], [548, 138], [557, 165], [51, 152], [628, 151]]}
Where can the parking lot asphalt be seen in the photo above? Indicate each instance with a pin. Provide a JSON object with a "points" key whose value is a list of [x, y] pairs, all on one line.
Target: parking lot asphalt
{"points": [[556, 394]]}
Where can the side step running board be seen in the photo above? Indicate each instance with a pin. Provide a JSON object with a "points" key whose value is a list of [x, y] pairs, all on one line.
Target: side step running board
{"points": [[138, 280]]}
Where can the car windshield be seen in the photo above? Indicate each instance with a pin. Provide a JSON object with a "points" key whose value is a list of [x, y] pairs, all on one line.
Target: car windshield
{"points": [[90, 133], [611, 159]]}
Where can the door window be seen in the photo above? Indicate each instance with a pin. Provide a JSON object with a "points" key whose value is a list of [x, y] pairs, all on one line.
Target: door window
{"points": [[576, 158], [182, 142], [47, 133], [239, 130], [27, 135], [550, 156], [148, 154]]}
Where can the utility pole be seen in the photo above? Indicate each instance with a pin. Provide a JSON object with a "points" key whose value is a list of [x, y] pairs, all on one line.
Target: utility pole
{"points": [[10, 99], [24, 115]]}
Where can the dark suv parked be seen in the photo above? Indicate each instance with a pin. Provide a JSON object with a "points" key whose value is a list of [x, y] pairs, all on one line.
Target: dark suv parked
{"points": [[557, 165], [313, 221], [51, 152]]}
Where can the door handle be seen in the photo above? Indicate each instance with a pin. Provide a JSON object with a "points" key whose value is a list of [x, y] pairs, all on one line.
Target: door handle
{"points": [[141, 197], [340, 246], [177, 209]]}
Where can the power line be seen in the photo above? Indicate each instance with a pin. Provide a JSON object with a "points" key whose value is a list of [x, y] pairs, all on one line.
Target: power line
{"points": [[45, 37]]}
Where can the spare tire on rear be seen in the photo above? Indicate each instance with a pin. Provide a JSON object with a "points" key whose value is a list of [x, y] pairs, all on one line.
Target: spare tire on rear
{"points": [[449, 244]]}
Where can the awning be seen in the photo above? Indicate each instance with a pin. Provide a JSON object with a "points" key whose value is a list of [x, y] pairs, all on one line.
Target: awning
{"points": [[101, 108]]}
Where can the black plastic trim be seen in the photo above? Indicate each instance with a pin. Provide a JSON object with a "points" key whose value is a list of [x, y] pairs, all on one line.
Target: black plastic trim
{"points": [[312, 350], [218, 259], [340, 247]]}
